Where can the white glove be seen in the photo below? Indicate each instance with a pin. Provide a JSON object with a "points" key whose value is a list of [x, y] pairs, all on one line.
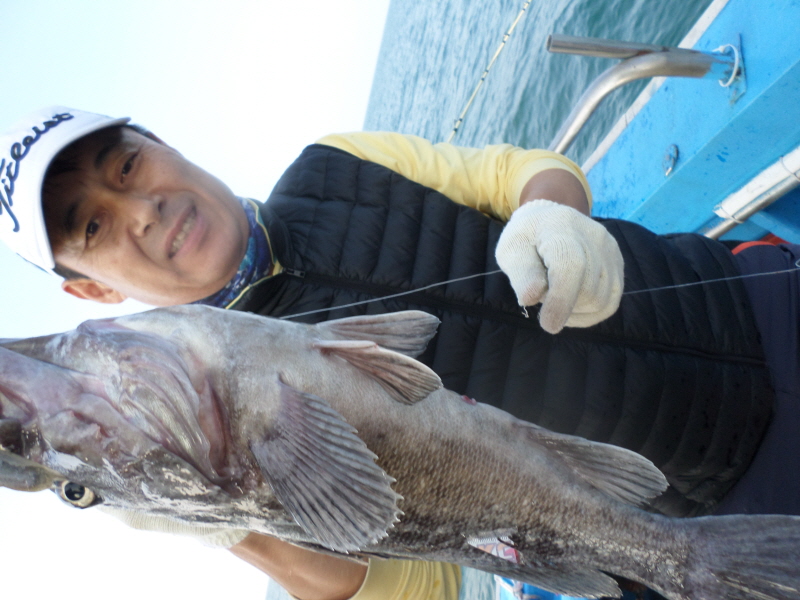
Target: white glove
{"points": [[555, 255], [208, 535]]}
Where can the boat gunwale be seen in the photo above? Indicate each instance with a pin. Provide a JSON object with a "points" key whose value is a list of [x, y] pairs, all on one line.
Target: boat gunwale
{"points": [[689, 41]]}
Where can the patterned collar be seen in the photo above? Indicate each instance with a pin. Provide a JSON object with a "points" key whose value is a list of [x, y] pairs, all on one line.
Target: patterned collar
{"points": [[256, 264]]}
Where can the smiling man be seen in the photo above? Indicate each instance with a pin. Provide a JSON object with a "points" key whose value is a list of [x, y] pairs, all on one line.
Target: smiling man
{"points": [[137, 219], [376, 222]]}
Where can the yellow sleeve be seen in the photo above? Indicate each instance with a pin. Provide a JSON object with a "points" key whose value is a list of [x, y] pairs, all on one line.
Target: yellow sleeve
{"points": [[404, 579], [490, 180]]}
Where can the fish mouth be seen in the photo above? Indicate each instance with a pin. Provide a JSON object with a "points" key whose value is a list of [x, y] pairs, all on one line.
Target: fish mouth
{"points": [[182, 232], [116, 394], [24, 475], [11, 435]]}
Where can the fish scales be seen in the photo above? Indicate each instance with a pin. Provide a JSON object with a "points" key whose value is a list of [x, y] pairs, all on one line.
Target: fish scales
{"points": [[320, 436]]}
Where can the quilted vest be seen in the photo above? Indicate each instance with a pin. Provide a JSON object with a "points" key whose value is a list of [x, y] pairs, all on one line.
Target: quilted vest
{"points": [[677, 375]]}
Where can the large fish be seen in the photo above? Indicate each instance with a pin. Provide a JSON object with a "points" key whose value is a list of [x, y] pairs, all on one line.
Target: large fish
{"points": [[333, 437]]}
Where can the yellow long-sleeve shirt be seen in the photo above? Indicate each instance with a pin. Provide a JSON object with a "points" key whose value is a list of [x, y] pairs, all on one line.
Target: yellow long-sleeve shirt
{"points": [[410, 580], [489, 179]]}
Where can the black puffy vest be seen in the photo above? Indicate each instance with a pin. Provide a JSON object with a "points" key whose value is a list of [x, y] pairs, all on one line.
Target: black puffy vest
{"points": [[677, 375]]}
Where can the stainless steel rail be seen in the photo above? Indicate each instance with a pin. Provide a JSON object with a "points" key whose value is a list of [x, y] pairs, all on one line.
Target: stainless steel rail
{"points": [[758, 203], [640, 61], [769, 185]]}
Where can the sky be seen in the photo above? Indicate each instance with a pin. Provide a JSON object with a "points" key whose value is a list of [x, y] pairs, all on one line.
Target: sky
{"points": [[239, 87]]}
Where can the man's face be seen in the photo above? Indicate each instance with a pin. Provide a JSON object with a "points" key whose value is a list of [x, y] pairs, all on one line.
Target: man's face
{"points": [[141, 219]]}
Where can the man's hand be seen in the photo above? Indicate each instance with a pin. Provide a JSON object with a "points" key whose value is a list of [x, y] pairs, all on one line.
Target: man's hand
{"points": [[557, 256]]}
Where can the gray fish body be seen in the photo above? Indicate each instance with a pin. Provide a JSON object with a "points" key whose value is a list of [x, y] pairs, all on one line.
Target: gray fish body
{"points": [[319, 436]]}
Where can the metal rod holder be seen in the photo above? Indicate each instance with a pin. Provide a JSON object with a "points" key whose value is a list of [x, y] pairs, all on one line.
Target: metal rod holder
{"points": [[640, 61]]}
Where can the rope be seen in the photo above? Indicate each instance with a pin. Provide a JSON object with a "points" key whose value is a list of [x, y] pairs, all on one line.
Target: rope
{"points": [[460, 119], [735, 70], [792, 173]]}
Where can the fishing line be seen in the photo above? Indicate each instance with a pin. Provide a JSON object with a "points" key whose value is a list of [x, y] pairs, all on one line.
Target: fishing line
{"points": [[704, 282], [390, 296], [460, 119], [496, 271]]}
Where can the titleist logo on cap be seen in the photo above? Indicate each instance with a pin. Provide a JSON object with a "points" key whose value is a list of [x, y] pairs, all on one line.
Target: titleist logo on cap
{"points": [[9, 166]]}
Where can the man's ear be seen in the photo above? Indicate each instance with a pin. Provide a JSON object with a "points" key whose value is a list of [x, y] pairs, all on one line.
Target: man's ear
{"points": [[89, 289]]}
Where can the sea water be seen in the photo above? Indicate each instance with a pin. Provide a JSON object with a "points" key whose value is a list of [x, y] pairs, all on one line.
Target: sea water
{"points": [[434, 52]]}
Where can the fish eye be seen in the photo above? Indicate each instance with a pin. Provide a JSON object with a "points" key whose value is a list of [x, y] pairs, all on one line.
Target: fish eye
{"points": [[76, 495]]}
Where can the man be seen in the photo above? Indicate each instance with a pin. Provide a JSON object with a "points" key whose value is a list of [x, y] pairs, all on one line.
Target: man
{"points": [[359, 219]]}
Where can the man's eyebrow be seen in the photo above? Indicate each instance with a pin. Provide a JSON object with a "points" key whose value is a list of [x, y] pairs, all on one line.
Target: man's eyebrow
{"points": [[71, 218], [102, 155]]}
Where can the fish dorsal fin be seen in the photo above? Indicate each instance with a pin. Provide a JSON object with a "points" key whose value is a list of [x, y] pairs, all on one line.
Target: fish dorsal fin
{"points": [[407, 332], [620, 473], [407, 380], [324, 474]]}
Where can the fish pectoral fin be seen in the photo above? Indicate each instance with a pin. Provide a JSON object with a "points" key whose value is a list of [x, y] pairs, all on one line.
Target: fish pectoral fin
{"points": [[620, 473], [407, 332], [407, 380], [324, 475], [359, 558]]}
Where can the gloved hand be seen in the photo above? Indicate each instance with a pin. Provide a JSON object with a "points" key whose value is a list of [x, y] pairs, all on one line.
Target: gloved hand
{"points": [[208, 535], [555, 255]]}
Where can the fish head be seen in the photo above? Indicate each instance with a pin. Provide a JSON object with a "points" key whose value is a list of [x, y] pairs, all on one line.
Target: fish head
{"points": [[208, 415], [106, 413]]}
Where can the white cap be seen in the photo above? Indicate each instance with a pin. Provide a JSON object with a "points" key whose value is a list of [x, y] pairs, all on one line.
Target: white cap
{"points": [[25, 153]]}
